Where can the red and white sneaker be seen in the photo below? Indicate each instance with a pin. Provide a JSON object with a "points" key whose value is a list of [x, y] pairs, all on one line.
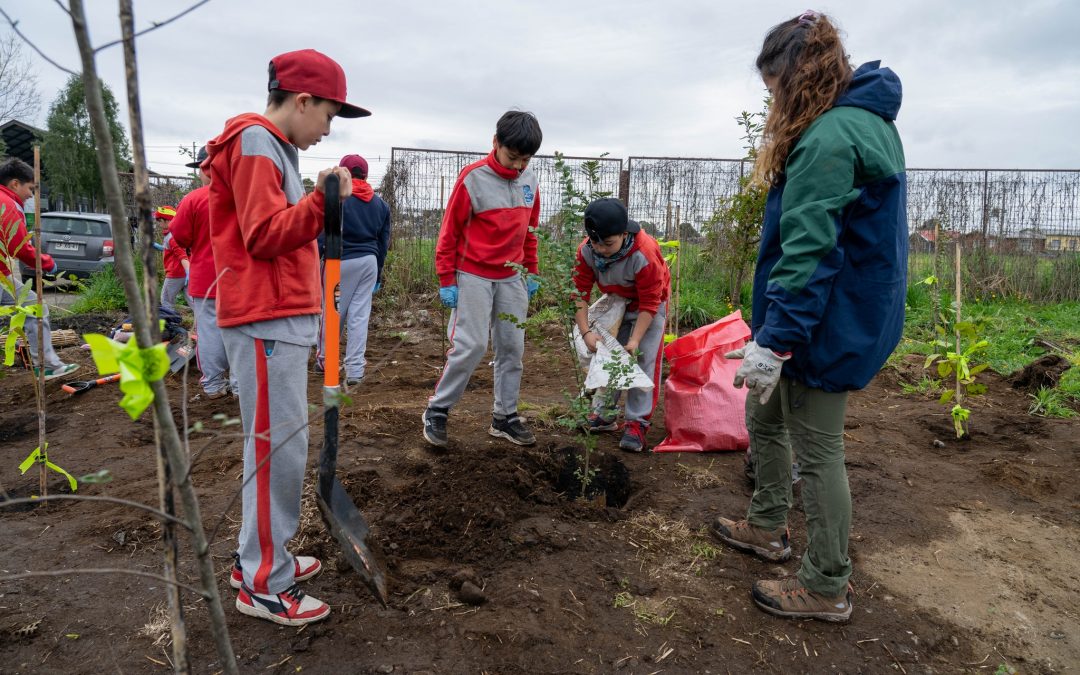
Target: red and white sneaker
{"points": [[306, 567], [291, 607]]}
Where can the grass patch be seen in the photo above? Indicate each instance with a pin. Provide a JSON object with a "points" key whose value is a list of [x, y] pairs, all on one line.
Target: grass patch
{"points": [[102, 292]]}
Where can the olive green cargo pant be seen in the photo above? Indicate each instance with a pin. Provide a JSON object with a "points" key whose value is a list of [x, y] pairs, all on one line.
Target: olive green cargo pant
{"points": [[810, 422]]}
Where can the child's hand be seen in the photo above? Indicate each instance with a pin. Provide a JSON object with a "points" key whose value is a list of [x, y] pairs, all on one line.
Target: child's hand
{"points": [[344, 180], [591, 340], [631, 347], [448, 296]]}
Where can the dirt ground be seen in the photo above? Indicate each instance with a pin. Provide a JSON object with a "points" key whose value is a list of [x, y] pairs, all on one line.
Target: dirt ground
{"points": [[964, 551]]}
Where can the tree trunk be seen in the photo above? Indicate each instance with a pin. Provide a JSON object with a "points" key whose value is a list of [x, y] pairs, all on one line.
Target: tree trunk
{"points": [[144, 330]]}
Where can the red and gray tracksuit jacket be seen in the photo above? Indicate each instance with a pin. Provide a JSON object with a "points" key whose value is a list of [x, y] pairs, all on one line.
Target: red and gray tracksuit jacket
{"points": [[173, 257], [262, 226], [490, 220], [190, 228], [642, 275]]}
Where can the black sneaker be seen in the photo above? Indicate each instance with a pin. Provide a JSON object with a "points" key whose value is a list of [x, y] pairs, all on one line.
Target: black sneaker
{"points": [[435, 426], [512, 428]]}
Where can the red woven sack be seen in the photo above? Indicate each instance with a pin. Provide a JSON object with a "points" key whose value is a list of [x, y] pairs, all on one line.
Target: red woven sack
{"points": [[703, 411]]}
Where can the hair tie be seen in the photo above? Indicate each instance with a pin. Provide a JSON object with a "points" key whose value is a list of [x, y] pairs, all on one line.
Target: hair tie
{"points": [[808, 17]]}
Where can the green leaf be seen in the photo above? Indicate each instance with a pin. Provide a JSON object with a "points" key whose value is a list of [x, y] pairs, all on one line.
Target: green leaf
{"points": [[944, 368], [930, 361], [947, 396], [101, 476], [976, 389], [979, 368], [137, 367]]}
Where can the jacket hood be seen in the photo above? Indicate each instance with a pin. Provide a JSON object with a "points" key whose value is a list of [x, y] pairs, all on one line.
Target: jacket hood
{"points": [[237, 124], [362, 190], [875, 89]]}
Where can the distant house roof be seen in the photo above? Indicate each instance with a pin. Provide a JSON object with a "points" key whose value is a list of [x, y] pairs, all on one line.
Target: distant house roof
{"points": [[19, 137], [927, 235]]}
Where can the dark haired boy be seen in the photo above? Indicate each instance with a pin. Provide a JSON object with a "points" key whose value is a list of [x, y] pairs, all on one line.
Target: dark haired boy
{"points": [[269, 298], [623, 260], [16, 186], [489, 223]]}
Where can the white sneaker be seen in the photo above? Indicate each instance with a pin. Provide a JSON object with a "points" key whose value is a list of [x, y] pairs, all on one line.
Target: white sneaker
{"points": [[291, 607]]}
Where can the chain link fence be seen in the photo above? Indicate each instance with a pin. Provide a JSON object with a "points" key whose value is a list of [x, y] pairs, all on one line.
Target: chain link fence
{"points": [[1019, 229]]}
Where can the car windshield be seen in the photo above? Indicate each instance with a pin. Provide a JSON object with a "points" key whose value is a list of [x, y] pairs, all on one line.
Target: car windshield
{"points": [[75, 226]]}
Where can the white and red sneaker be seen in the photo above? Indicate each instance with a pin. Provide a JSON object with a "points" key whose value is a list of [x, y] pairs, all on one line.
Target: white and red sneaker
{"points": [[306, 567], [291, 607]]}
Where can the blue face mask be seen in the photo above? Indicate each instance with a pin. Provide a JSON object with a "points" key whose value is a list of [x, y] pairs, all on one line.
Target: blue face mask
{"points": [[602, 262]]}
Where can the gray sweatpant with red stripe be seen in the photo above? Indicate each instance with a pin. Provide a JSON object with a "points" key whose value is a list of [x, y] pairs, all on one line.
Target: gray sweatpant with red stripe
{"points": [[480, 302], [210, 348], [272, 378]]}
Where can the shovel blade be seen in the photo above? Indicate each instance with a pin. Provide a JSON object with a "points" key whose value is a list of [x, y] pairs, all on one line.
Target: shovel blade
{"points": [[350, 530]]}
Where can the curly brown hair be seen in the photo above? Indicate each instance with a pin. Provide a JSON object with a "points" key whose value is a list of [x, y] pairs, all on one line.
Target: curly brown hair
{"points": [[807, 59]]}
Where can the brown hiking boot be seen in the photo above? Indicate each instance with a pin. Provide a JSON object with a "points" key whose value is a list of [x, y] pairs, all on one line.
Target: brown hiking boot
{"points": [[787, 597], [772, 546]]}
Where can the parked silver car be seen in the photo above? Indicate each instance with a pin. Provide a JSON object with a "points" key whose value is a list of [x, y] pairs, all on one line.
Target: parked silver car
{"points": [[80, 243]]}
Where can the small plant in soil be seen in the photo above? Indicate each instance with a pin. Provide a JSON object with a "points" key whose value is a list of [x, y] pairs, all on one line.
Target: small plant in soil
{"points": [[955, 357], [1049, 402]]}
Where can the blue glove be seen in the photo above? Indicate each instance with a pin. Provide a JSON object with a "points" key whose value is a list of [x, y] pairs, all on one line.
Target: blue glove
{"points": [[760, 369], [532, 286], [378, 285], [448, 295], [158, 246]]}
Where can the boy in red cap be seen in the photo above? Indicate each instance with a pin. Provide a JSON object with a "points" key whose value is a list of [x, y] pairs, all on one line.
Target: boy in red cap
{"points": [[190, 229], [174, 260], [269, 297], [16, 186], [365, 238]]}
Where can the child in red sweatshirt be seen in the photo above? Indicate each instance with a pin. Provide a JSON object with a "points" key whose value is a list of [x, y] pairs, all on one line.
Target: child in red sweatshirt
{"points": [[490, 222], [269, 298]]}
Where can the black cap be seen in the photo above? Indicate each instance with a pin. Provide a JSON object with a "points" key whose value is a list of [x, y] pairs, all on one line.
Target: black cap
{"points": [[607, 217], [199, 159]]}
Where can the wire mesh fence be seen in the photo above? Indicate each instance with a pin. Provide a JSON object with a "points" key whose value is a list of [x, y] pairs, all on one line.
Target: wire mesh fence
{"points": [[675, 197], [1019, 229]]}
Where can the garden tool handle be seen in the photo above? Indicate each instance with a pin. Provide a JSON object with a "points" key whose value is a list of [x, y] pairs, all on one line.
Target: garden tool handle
{"points": [[332, 275]]}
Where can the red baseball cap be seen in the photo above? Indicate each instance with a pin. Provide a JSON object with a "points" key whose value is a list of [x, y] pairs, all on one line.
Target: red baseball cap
{"points": [[310, 72], [351, 162]]}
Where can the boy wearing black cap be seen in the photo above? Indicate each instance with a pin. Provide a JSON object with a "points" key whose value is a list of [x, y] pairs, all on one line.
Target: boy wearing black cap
{"points": [[621, 259], [262, 231], [190, 228], [365, 238], [490, 222]]}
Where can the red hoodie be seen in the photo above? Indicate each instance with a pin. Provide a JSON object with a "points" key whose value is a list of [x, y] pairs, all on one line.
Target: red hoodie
{"points": [[490, 220], [173, 257], [262, 226], [190, 228], [14, 239]]}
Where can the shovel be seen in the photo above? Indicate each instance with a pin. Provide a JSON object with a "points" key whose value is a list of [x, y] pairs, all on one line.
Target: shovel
{"points": [[86, 385], [342, 518]]}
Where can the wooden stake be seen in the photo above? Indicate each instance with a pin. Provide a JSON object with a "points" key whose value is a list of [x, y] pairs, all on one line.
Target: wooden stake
{"points": [[956, 320], [43, 487]]}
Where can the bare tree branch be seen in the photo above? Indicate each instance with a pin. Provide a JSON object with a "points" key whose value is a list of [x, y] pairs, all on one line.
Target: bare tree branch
{"points": [[103, 570], [19, 96], [15, 27], [155, 25], [161, 515]]}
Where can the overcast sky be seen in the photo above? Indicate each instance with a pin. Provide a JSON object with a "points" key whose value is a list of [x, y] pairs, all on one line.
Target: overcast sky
{"points": [[987, 83]]}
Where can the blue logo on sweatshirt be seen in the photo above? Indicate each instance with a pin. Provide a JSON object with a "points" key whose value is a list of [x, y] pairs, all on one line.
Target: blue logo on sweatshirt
{"points": [[526, 191]]}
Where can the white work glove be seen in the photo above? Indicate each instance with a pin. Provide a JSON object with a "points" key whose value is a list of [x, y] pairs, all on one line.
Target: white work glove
{"points": [[760, 369]]}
